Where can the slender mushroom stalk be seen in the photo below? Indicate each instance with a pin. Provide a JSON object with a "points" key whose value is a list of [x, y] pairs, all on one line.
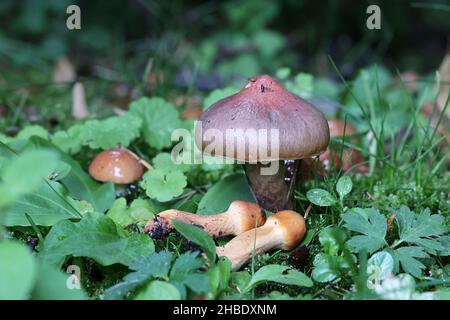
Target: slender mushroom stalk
{"points": [[79, 105], [272, 192], [263, 105], [240, 216], [283, 230]]}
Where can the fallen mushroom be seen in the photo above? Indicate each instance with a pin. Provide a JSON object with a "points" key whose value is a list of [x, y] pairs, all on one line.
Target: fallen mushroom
{"points": [[120, 166], [240, 216], [263, 104], [283, 230]]}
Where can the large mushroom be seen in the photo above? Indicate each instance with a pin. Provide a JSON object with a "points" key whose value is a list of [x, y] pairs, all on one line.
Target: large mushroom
{"points": [[283, 230], [263, 104]]}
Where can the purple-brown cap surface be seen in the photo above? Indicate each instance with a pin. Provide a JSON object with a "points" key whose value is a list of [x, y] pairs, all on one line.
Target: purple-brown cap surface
{"points": [[264, 104]]}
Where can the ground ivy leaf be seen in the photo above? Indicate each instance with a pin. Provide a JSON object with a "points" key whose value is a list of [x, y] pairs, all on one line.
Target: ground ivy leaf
{"points": [[118, 212], [163, 187], [163, 161], [69, 141], [420, 228], [95, 236], [111, 132], [160, 119], [321, 197], [371, 224], [407, 258]]}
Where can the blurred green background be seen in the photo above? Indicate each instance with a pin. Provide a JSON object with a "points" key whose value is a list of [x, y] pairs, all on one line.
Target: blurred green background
{"points": [[219, 40]]}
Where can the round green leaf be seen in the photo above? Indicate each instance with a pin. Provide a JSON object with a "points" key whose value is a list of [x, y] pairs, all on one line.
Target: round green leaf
{"points": [[344, 186], [321, 197], [164, 187]]}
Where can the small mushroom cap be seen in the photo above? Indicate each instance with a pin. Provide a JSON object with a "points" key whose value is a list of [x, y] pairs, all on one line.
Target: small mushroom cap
{"points": [[116, 165], [291, 227], [248, 215], [264, 104]]}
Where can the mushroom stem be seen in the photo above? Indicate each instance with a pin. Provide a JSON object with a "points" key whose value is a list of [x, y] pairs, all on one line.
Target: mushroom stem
{"points": [[283, 230], [272, 192], [240, 216]]}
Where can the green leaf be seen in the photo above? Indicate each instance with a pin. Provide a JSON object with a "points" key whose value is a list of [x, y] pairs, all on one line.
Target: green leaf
{"points": [[381, 263], [163, 187], [118, 212], [79, 184], [17, 270], [368, 222], [407, 258], [420, 229], [218, 197], [112, 132], [159, 290], [24, 173], [95, 236], [160, 119], [142, 210], [327, 267], [217, 95], [321, 197], [219, 276], [183, 273], [46, 206], [445, 243], [52, 285], [280, 274], [327, 238], [186, 263], [163, 162], [32, 130], [283, 73], [156, 265], [69, 141], [344, 186], [199, 237]]}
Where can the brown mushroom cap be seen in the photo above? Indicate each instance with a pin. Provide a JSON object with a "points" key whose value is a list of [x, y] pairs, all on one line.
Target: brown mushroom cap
{"points": [[116, 165], [264, 104], [291, 226]]}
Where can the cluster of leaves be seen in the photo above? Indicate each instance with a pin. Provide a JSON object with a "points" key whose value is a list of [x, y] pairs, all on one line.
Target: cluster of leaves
{"points": [[48, 194]]}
